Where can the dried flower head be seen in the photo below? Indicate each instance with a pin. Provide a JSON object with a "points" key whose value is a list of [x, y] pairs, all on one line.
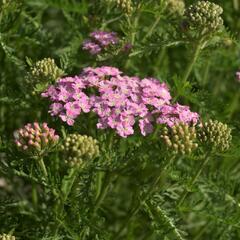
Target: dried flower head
{"points": [[35, 138], [204, 17], [79, 149], [7, 237], [45, 70], [216, 135], [181, 138]]}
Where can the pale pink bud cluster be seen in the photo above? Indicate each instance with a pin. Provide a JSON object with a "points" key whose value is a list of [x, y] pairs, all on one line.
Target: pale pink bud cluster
{"points": [[35, 137]]}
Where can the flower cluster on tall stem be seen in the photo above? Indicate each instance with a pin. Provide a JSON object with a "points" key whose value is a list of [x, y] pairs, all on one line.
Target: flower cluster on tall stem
{"points": [[119, 101]]}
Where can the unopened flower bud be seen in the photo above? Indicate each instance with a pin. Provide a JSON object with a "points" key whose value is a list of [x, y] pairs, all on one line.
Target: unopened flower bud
{"points": [[35, 138], [6, 237], [79, 148], [204, 17], [180, 138], [175, 7], [216, 135]]}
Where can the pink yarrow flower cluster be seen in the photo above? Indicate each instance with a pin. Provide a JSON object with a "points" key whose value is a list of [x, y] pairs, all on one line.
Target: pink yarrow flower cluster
{"points": [[119, 101], [35, 137], [100, 40]]}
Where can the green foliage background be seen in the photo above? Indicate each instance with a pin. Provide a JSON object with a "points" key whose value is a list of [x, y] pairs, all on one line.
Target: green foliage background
{"points": [[33, 29]]}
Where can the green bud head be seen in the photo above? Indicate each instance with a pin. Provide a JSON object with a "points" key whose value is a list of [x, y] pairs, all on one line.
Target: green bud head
{"points": [[7, 237], [216, 135], [181, 138], [175, 7], [80, 148], [44, 71], [204, 17]]}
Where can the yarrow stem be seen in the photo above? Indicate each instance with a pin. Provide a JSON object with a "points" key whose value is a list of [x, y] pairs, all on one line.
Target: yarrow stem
{"points": [[136, 209], [189, 68], [159, 215], [194, 179], [101, 196], [43, 167], [103, 192]]}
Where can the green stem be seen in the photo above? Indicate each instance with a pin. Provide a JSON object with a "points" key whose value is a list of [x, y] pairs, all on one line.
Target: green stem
{"points": [[34, 195], [66, 188], [236, 4], [103, 193], [43, 167], [101, 196], [234, 105], [149, 33], [140, 203], [206, 73], [189, 68], [194, 179], [158, 214]]}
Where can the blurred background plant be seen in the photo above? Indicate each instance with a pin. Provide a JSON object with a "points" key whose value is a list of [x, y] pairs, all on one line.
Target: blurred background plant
{"points": [[192, 46]]}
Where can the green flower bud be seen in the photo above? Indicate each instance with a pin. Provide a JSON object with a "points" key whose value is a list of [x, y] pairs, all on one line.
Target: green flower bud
{"points": [[7, 237], [79, 148], [43, 73], [204, 17], [216, 135], [124, 5], [45, 70], [181, 138], [175, 7]]}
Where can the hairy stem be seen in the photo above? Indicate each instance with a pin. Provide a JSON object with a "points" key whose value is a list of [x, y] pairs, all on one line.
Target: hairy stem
{"points": [[193, 180], [194, 58], [101, 196], [34, 195], [136, 208], [150, 32], [157, 214], [43, 167], [103, 192]]}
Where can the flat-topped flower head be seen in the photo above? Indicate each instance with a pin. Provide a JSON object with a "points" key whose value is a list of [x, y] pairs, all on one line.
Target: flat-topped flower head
{"points": [[120, 102], [204, 17], [174, 114], [79, 149], [35, 138], [216, 135], [100, 41], [6, 237], [181, 138]]}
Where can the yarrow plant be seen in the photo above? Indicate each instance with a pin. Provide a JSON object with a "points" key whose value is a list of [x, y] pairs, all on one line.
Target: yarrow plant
{"points": [[109, 152], [119, 101]]}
